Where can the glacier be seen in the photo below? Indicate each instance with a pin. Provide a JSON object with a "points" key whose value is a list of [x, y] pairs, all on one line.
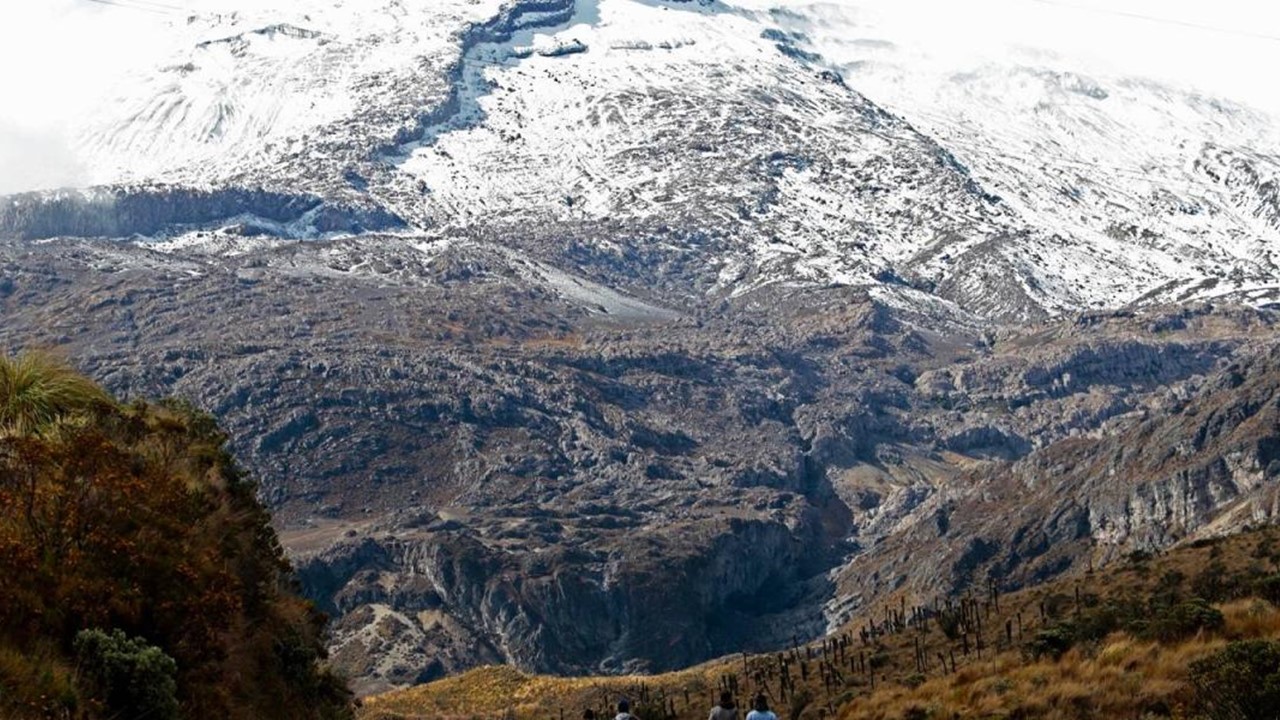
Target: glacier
{"points": [[751, 143]]}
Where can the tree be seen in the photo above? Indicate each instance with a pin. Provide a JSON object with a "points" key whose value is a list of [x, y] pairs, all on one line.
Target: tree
{"points": [[1241, 682], [135, 518], [131, 678]]}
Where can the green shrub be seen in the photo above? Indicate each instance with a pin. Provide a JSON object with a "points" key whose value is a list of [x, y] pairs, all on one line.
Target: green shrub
{"points": [[1216, 584], [1052, 641], [1098, 622], [1241, 682], [1168, 590], [1139, 557], [1184, 620], [1268, 588], [131, 678], [949, 623], [1265, 549], [880, 658], [1058, 604], [1153, 621]]}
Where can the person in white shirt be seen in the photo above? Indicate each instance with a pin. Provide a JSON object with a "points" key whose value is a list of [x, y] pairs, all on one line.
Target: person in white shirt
{"points": [[624, 710], [761, 711]]}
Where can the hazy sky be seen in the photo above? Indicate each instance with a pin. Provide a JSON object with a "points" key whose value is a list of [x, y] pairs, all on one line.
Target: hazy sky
{"points": [[1223, 47], [59, 56]]}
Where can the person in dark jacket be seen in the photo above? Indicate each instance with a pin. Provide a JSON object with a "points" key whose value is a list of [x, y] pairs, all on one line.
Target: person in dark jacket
{"points": [[624, 711], [726, 710]]}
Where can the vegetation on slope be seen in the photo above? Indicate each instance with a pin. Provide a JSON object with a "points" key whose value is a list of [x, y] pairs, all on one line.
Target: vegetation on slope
{"points": [[141, 577], [1194, 633]]}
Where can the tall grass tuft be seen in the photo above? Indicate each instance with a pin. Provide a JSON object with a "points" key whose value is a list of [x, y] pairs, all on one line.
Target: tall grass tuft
{"points": [[38, 390]]}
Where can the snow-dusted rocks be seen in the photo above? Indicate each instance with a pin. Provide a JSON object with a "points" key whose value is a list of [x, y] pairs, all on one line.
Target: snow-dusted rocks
{"points": [[801, 148], [558, 329]]}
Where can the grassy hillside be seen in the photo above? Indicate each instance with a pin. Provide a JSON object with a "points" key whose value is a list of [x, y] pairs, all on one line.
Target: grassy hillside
{"points": [[1191, 633], [141, 577]]}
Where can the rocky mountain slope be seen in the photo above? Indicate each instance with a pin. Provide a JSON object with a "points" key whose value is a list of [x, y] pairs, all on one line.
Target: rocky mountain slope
{"points": [[592, 336], [1115, 641], [468, 467]]}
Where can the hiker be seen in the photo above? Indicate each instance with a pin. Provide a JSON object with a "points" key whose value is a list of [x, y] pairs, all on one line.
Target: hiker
{"points": [[761, 711], [624, 710], [726, 710]]}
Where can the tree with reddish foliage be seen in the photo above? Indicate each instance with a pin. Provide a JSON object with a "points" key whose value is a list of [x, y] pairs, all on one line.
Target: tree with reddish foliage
{"points": [[134, 520]]}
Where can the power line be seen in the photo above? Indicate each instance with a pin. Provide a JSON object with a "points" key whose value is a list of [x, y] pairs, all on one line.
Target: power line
{"points": [[1161, 20]]}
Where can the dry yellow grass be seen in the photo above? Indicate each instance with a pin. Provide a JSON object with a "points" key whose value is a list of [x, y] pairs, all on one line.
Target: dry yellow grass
{"points": [[502, 691], [1120, 676], [1121, 679]]}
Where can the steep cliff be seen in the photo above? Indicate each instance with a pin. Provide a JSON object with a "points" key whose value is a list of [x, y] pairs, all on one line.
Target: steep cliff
{"points": [[475, 459]]}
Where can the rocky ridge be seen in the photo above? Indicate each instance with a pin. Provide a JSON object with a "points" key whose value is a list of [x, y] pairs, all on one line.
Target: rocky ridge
{"points": [[569, 347], [470, 464]]}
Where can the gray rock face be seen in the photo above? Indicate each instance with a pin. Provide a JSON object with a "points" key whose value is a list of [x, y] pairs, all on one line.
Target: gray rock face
{"points": [[1193, 456], [756, 354], [475, 459], [627, 601], [126, 212]]}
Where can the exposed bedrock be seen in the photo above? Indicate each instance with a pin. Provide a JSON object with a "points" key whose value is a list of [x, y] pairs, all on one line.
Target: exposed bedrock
{"points": [[641, 599], [125, 212], [470, 465]]}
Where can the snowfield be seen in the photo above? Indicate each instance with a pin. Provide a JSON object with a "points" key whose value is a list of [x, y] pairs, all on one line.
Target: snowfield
{"points": [[234, 84], [798, 143]]}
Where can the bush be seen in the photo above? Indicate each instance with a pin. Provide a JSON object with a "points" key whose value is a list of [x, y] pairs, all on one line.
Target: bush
{"points": [[1052, 641], [1139, 557], [1168, 590], [879, 659], [1216, 584], [1058, 604], [1265, 549], [1098, 622], [1241, 682], [949, 623], [130, 677], [1184, 620], [1268, 588], [136, 518], [800, 700], [1152, 621]]}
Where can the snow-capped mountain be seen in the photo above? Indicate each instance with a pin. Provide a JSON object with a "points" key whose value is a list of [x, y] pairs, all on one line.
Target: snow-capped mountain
{"points": [[750, 143], [232, 87], [1139, 180], [607, 335]]}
